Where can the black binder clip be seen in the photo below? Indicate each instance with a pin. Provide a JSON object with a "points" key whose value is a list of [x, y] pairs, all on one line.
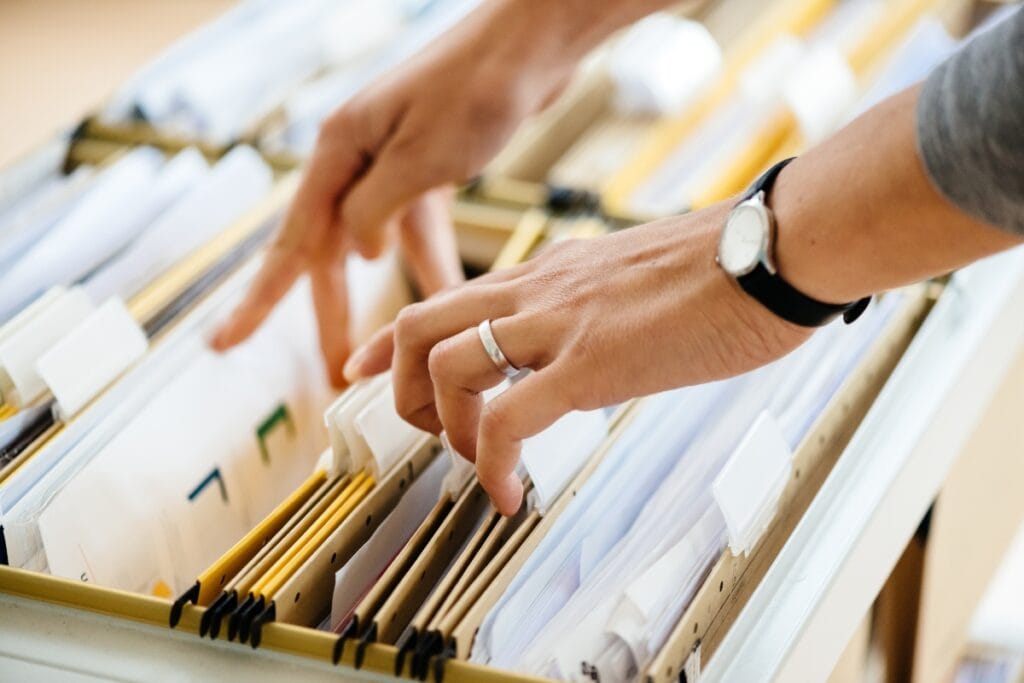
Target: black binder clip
{"points": [[256, 629], [569, 200], [245, 619], [207, 619], [430, 644]]}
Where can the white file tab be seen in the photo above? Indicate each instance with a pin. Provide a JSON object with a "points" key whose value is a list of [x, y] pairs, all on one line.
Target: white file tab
{"points": [[554, 457], [748, 487], [388, 436], [351, 452], [82, 364], [30, 334]]}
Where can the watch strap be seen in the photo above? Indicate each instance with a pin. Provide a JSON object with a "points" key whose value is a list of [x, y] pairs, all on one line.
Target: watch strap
{"points": [[767, 179], [779, 296], [787, 302]]}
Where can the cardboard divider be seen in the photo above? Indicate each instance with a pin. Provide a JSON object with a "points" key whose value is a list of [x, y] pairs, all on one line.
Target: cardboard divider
{"points": [[304, 598]]}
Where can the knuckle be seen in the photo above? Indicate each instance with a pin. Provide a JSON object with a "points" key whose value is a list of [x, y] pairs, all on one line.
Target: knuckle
{"points": [[440, 359], [403, 404], [409, 323], [408, 408], [336, 124]]}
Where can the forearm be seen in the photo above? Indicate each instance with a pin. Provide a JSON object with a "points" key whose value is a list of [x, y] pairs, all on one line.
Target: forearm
{"points": [[858, 214]]}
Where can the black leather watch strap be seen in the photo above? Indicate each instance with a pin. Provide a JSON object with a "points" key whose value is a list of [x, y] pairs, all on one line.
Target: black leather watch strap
{"points": [[788, 303], [780, 297], [766, 180]]}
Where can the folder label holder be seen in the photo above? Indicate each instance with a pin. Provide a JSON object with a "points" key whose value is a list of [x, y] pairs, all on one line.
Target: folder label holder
{"points": [[819, 91], [387, 435], [760, 81], [662, 63], [82, 364], [31, 334], [747, 489], [554, 457]]}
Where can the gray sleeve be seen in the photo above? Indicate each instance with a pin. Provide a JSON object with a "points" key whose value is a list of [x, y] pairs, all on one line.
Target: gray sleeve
{"points": [[970, 126]]}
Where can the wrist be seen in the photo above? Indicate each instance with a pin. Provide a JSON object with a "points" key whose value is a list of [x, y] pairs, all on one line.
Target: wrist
{"points": [[807, 254]]}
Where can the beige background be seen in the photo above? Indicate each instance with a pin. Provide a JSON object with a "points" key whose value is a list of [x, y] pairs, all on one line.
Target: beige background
{"points": [[60, 58]]}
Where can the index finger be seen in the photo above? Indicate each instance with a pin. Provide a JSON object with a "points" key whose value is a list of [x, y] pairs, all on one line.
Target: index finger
{"points": [[527, 408], [305, 230], [281, 267]]}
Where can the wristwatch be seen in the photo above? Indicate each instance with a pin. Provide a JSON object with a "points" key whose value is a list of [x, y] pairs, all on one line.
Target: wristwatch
{"points": [[746, 252]]}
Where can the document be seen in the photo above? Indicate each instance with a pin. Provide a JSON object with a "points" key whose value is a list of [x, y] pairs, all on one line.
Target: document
{"points": [[586, 599], [356, 577], [231, 187], [123, 201], [199, 464]]}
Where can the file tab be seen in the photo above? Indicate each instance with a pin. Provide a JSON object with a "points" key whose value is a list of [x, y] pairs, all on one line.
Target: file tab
{"points": [[662, 63], [554, 457], [90, 357], [30, 334], [387, 435], [351, 452], [747, 489]]}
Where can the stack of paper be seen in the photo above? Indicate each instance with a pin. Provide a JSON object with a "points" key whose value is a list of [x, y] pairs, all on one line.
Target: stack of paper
{"points": [[221, 81], [83, 246], [588, 599]]}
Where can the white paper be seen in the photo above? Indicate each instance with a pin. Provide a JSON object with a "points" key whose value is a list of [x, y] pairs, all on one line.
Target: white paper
{"points": [[554, 457], [30, 219], [354, 454], [357, 575], [112, 212], [91, 356], [748, 486], [574, 604], [600, 513], [234, 185], [186, 477]]}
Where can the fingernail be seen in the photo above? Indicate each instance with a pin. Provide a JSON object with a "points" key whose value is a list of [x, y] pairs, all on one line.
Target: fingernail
{"points": [[353, 369], [511, 495], [338, 382], [217, 342]]}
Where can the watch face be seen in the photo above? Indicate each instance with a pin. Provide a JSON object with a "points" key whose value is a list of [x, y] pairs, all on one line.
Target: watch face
{"points": [[743, 239]]}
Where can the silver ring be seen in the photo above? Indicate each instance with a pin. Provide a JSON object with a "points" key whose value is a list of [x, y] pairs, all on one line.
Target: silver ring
{"points": [[494, 351]]}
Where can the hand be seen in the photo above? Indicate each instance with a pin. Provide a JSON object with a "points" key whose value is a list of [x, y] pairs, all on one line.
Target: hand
{"points": [[598, 321], [381, 158]]}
